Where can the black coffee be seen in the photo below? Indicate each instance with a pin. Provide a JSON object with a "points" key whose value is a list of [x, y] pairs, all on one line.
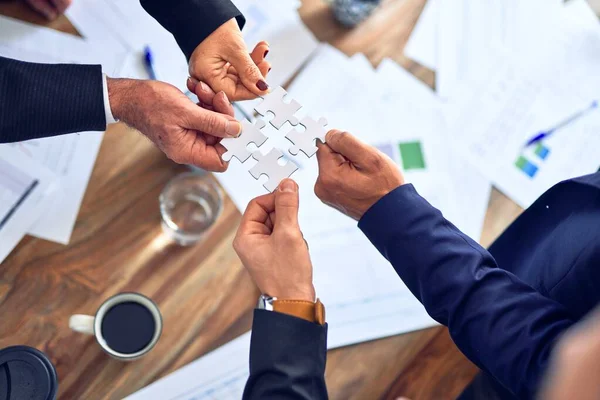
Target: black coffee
{"points": [[128, 327]]}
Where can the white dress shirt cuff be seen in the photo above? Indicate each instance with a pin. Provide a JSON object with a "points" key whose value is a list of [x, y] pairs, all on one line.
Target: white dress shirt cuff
{"points": [[107, 111]]}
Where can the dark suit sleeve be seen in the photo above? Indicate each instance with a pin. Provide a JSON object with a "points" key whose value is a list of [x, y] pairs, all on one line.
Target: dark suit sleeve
{"points": [[39, 100], [501, 324], [192, 21], [287, 358]]}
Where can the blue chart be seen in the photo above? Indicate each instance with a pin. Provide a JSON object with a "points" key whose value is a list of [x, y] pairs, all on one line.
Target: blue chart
{"points": [[529, 165]]}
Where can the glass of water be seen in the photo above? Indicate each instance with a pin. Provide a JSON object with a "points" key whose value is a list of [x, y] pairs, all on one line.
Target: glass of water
{"points": [[189, 205]]}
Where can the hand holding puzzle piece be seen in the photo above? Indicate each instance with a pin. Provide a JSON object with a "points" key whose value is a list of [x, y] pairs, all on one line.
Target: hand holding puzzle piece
{"points": [[268, 164]]}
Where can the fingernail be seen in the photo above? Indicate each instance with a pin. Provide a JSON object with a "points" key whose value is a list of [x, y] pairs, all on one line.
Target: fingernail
{"points": [[288, 185], [266, 52], [193, 81], [262, 85], [203, 87], [233, 128]]}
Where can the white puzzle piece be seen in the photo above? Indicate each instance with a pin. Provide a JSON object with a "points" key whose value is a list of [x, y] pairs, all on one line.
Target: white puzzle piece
{"points": [[305, 141], [238, 147], [268, 165], [283, 111]]}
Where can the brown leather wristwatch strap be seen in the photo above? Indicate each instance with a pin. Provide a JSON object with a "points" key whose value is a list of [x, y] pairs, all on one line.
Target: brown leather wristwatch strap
{"points": [[313, 312]]}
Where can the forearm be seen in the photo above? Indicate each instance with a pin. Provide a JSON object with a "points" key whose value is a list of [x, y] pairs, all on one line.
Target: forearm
{"points": [[192, 21], [287, 358], [40, 100], [503, 325]]}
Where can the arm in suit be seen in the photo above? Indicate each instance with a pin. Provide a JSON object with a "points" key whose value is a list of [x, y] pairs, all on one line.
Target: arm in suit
{"points": [[40, 100], [287, 358], [503, 325], [192, 21]]}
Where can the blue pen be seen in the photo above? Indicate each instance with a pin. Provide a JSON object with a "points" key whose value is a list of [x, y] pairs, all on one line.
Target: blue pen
{"points": [[149, 63], [544, 134]]}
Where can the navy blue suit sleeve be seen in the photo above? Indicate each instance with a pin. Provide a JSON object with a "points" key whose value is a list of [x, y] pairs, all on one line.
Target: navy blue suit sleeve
{"points": [[501, 324], [192, 21], [39, 100], [287, 358]]}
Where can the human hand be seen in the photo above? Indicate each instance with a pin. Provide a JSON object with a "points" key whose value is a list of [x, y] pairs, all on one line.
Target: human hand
{"points": [[352, 175], [270, 244], [223, 62], [50, 9], [187, 133], [574, 366]]}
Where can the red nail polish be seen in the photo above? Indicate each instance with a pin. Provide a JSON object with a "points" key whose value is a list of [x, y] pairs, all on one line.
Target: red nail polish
{"points": [[266, 52], [262, 85]]}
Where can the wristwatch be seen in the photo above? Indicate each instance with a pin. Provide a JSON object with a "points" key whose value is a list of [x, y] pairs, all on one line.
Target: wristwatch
{"points": [[307, 310]]}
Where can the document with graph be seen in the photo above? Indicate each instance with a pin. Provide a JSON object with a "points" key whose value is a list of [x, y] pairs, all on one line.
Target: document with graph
{"points": [[497, 123], [25, 187], [221, 374]]}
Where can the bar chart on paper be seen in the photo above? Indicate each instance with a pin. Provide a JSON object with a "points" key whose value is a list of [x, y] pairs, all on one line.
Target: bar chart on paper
{"points": [[409, 155], [529, 160]]}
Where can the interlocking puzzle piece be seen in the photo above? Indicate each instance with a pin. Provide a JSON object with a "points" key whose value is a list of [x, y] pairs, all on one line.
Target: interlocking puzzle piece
{"points": [[268, 165], [305, 141], [283, 111], [238, 147]]}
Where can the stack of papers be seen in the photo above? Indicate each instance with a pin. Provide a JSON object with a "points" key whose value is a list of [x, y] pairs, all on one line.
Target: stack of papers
{"points": [[506, 71], [70, 158]]}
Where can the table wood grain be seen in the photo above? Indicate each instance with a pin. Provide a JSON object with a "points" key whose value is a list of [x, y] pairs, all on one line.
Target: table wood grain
{"points": [[204, 294]]}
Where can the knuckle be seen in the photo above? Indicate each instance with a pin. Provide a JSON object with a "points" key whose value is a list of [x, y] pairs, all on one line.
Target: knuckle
{"points": [[211, 122], [250, 70]]}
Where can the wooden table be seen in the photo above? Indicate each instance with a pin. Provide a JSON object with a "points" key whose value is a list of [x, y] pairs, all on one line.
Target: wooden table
{"points": [[204, 293]]}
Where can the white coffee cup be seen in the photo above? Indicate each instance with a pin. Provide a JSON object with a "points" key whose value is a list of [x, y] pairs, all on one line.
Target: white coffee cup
{"points": [[93, 325]]}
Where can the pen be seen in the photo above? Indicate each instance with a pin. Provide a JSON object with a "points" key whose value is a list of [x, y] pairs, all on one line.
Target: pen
{"points": [[544, 134], [149, 63]]}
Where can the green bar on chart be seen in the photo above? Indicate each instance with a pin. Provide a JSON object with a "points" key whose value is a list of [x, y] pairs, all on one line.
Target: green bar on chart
{"points": [[412, 155]]}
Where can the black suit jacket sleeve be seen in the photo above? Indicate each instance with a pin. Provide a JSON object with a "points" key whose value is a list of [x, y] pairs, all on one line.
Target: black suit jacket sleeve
{"points": [[191, 21], [287, 358], [39, 100]]}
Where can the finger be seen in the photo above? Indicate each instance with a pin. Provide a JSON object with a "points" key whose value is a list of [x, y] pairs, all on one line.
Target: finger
{"points": [[61, 5], [264, 67], [286, 205], [222, 105], [260, 52], [209, 158], [191, 84], [44, 7], [211, 122], [349, 146], [327, 158], [257, 214], [249, 73], [205, 94]]}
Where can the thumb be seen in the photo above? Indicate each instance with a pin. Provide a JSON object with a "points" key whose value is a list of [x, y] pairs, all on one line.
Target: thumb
{"points": [[286, 205], [212, 123], [249, 73]]}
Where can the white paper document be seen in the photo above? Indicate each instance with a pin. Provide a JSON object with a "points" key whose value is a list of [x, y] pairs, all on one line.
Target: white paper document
{"points": [[71, 157], [221, 374], [520, 100], [25, 188], [470, 31], [422, 44]]}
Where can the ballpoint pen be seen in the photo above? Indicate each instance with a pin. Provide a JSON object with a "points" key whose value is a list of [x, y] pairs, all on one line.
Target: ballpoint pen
{"points": [[544, 134], [149, 63]]}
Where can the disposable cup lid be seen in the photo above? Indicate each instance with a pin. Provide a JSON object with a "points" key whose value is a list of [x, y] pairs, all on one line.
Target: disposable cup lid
{"points": [[26, 374]]}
